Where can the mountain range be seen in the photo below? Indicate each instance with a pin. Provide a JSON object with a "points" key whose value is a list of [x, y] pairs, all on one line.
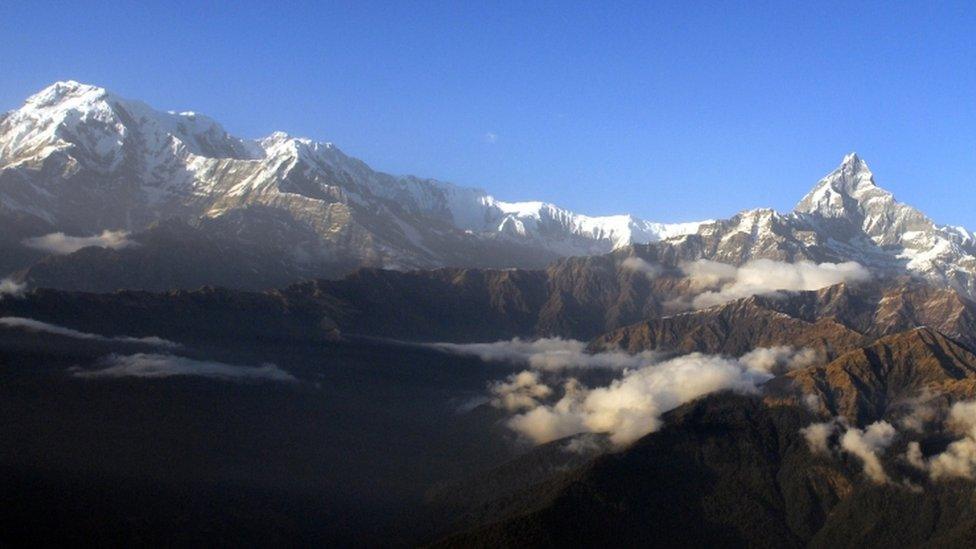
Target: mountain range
{"points": [[79, 159], [98, 192]]}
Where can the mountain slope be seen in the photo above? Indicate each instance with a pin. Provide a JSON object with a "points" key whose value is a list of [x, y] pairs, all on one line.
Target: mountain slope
{"points": [[725, 471], [870, 383]]}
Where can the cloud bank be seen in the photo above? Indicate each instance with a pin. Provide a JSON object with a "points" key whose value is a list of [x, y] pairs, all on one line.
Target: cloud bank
{"points": [[38, 326], [722, 282], [548, 404], [60, 243], [158, 366], [631, 407]]}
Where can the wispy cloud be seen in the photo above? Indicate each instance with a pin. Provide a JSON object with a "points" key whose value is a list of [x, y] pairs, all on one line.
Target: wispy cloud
{"points": [[38, 326], [549, 354], [60, 243], [634, 263], [157, 366]]}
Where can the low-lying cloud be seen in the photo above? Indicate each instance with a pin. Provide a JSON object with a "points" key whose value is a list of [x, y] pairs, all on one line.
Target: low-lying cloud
{"points": [[519, 391], [9, 286], [722, 283], [818, 436], [548, 404], [634, 263], [38, 326], [779, 359], [631, 407], [549, 354], [158, 366], [60, 243], [868, 444], [958, 460]]}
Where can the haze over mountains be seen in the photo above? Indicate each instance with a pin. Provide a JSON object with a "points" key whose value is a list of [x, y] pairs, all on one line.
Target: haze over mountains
{"points": [[187, 204]]}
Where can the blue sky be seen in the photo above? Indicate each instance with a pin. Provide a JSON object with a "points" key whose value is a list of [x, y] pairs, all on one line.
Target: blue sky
{"points": [[668, 110]]}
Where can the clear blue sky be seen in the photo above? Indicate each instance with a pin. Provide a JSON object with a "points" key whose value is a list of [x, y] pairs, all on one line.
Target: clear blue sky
{"points": [[667, 110]]}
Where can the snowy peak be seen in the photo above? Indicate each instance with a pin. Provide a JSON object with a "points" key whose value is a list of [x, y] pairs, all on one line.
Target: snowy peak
{"points": [[94, 126], [60, 93], [848, 198], [842, 190], [75, 149]]}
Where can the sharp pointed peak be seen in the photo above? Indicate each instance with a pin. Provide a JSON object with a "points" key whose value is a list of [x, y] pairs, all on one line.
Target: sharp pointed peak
{"points": [[852, 162], [852, 179]]}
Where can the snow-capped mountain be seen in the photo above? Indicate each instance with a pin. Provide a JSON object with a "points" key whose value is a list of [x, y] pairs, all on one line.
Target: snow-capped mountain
{"points": [[845, 217], [78, 159], [81, 159]]}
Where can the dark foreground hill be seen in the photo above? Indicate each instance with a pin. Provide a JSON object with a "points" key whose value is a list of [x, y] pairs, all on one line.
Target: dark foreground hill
{"points": [[727, 471]]}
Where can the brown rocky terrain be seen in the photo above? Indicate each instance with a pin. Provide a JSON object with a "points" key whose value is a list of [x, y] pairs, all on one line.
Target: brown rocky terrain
{"points": [[831, 320], [888, 377]]}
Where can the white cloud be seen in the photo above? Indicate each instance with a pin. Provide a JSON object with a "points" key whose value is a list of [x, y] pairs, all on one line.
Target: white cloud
{"points": [[818, 436], [520, 391], [634, 263], [587, 444], [631, 406], [867, 445], [724, 283], [812, 402], [60, 243], [921, 412], [914, 455], [550, 354], [778, 360], [156, 366], [958, 460], [491, 138], [38, 326], [10, 287], [628, 407], [708, 274]]}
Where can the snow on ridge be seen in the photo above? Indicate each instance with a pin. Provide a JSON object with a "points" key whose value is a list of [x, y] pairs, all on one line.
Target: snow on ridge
{"points": [[187, 154], [468, 209]]}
